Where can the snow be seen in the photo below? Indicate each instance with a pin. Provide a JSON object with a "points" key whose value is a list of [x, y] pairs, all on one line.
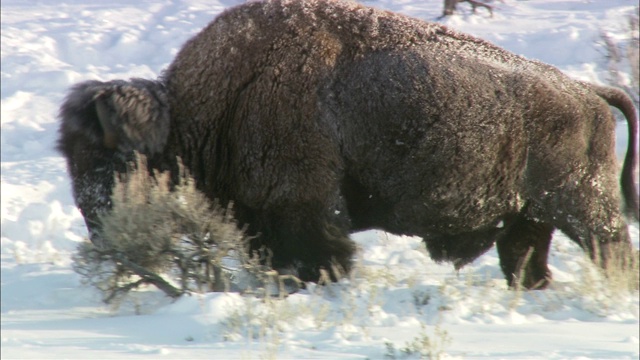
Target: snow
{"points": [[396, 298]]}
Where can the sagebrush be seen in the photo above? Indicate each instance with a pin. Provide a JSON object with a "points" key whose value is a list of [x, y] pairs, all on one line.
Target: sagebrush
{"points": [[167, 234]]}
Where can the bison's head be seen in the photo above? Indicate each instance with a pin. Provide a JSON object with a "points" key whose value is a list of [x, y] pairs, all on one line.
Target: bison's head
{"points": [[103, 123]]}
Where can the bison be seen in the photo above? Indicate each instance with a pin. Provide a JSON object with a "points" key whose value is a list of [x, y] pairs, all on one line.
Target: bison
{"points": [[319, 118]]}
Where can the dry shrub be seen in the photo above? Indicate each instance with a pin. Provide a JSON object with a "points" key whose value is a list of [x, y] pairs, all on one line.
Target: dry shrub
{"points": [[168, 236], [623, 57]]}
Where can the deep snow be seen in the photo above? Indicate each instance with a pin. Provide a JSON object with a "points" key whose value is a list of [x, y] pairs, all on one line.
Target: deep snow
{"points": [[396, 295]]}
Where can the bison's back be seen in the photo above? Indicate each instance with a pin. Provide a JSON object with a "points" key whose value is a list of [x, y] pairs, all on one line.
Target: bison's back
{"points": [[292, 95]]}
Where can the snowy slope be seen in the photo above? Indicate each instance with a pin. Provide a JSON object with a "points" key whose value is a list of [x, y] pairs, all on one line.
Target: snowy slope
{"points": [[396, 297]]}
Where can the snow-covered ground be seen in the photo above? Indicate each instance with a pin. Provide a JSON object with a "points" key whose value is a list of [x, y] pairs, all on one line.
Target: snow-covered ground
{"points": [[398, 303]]}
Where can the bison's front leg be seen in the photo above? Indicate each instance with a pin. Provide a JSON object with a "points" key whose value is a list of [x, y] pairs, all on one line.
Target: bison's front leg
{"points": [[523, 252], [304, 239]]}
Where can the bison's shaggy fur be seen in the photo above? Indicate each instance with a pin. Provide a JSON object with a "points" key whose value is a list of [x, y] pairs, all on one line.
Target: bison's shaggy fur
{"points": [[320, 118]]}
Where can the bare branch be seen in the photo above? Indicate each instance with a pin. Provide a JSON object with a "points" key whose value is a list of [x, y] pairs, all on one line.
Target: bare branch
{"points": [[148, 276], [450, 6]]}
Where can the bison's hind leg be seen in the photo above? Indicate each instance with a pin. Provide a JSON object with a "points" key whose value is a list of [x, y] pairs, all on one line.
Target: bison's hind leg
{"points": [[523, 250], [590, 215]]}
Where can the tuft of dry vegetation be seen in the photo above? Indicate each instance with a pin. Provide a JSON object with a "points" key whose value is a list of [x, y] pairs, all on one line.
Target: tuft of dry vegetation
{"points": [[619, 276], [169, 236]]}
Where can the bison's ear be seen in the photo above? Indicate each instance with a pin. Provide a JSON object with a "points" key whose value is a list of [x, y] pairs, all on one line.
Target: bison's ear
{"points": [[122, 115]]}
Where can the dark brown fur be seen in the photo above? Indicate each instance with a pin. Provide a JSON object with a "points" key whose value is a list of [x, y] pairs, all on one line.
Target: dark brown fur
{"points": [[320, 118]]}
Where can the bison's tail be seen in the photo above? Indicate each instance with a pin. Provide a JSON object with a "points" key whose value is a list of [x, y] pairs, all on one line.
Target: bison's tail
{"points": [[619, 99], [121, 115]]}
